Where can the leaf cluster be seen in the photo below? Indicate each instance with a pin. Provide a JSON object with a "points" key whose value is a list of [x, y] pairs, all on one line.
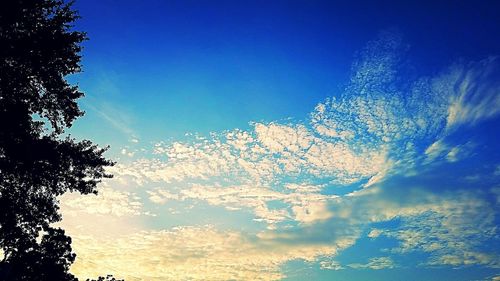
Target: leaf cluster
{"points": [[38, 162]]}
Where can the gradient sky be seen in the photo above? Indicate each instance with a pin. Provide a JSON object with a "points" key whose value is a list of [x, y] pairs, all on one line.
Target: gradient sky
{"points": [[291, 140]]}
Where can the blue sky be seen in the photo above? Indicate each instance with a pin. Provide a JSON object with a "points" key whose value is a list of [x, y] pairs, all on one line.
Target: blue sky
{"points": [[284, 140]]}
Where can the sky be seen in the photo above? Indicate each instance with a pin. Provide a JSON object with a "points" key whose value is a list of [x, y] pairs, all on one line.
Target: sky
{"points": [[290, 140]]}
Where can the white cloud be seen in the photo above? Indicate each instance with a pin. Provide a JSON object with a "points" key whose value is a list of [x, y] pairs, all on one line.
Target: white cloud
{"points": [[264, 155], [330, 265], [374, 129], [439, 149], [375, 263], [127, 152], [160, 196], [306, 207], [109, 202], [304, 188], [285, 174], [374, 233], [476, 93], [188, 253], [278, 138], [452, 156], [436, 149], [450, 229], [312, 211]]}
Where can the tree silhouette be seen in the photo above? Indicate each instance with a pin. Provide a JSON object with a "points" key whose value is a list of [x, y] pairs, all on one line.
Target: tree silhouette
{"points": [[107, 278], [38, 163]]}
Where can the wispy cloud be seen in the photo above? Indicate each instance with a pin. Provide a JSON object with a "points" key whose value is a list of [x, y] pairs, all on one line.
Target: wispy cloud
{"points": [[476, 92], [315, 186], [115, 117]]}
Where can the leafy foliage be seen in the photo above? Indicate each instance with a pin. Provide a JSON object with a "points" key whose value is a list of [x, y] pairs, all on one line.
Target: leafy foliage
{"points": [[107, 278], [38, 49]]}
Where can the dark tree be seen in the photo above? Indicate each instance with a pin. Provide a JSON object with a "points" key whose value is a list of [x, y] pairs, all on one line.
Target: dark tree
{"points": [[107, 278], [38, 163]]}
